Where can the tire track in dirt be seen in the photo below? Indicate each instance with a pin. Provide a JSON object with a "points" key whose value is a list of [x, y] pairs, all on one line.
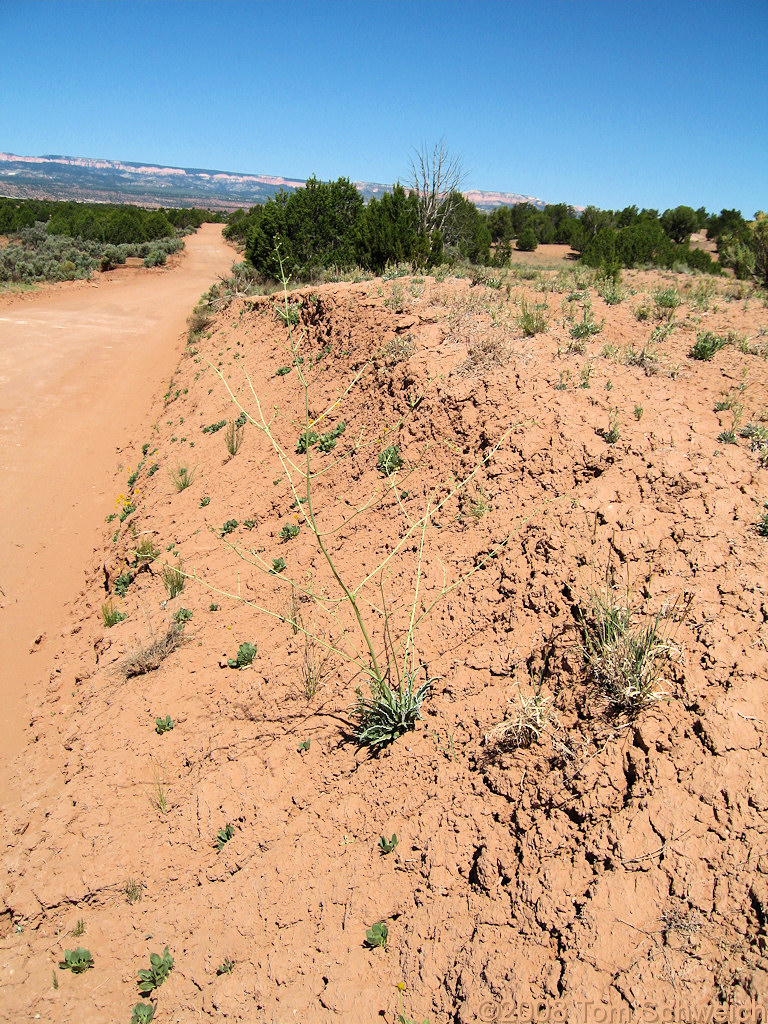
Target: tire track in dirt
{"points": [[78, 367]]}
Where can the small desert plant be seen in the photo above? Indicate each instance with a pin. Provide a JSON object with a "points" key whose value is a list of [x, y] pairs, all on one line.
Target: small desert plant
{"points": [[164, 725], [762, 524], [123, 581], [398, 349], [306, 440], [612, 434], [478, 505], [143, 1013], [229, 527], [290, 313], [376, 936], [76, 960], [145, 551], [182, 616], [706, 345], [79, 929], [133, 890], [727, 437], [625, 658], [533, 319], [282, 371], [587, 325], [150, 657], [290, 531], [212, 428], [223, 836], [389, 460], [173, 579], [160, 968], [638, 411], [226, 966], [666, 301], [279, 565], [389, 713], [233, 437], [387, 845], [182, 477], [245, 655], [532, 718], [111, 615]]}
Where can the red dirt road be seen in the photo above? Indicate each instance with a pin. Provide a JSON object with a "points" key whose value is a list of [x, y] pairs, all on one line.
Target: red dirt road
{"points": [[78, 367]]}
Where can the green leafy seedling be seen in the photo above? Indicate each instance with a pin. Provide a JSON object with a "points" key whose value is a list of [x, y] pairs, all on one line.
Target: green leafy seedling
{"points": [[290, 531], [160, 968], [76, 960], [223, 836], [389, 460], [229, 527], [304, 747], [143, 1013], [376, 936], [387, 845], [307, 438], [226, 967], [182, 616], [164, 725], [245, 655], [278, 565]]}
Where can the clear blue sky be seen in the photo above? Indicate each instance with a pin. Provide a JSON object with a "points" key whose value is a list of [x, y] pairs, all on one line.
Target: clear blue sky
{"points": [[656, 102]]}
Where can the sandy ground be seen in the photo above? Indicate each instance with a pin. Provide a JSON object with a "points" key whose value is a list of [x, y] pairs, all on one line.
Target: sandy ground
{"points": [[78, 367], [612, 867]]}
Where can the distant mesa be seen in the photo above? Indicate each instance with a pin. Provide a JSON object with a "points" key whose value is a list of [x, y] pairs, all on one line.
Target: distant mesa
{"points": [[119, 181]]}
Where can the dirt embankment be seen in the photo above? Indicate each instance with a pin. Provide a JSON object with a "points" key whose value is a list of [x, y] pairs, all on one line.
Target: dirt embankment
{"points": [[79, 364], [609, 860]]}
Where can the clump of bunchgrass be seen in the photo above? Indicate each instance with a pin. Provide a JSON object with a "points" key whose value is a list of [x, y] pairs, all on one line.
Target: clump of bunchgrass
{"points": [[173, 579], [533, 319], [707, 344], [110, 615], [533, 716], [182, 477], [625, 657]]}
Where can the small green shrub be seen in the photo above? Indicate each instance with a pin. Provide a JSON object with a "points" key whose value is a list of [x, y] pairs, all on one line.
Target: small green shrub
{"points": [[727, 437], [182, 616], [145, 551], [666, 301], [289, 531], [283, 370], [762, 525], [164, 725], [245, 655], [613, 434], [587, 327], [213, 427], [376, 936], [279, 565], [707, 344], [205, 501], [111, 615], [223, 836], [533, 319], [160, 968], [289, 313], [389, 460], [76, 960], [229, 527]]}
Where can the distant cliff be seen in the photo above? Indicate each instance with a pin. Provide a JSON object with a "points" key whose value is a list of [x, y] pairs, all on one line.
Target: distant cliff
{"points": [[121, 181]]}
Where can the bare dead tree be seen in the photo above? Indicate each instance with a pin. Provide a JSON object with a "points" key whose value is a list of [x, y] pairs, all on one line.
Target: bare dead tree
{"points": [[436, 177]]}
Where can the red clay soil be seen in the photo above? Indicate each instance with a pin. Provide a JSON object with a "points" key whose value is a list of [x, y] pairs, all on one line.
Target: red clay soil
{"points": [[610, 862], [79, 364]]}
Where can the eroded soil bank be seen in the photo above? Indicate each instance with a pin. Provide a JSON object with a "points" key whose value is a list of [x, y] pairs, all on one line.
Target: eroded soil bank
{"points": [[79, 365], [615, 864]]}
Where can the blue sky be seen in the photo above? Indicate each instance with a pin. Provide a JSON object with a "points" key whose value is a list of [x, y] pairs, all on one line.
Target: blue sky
{"points": [[611, 102]]}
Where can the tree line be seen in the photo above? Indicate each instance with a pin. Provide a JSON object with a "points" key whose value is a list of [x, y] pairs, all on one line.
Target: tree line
{"points": [[328, 224]]}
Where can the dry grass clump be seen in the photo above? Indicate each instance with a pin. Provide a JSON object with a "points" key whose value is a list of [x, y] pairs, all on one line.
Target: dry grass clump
{"points": [[533, 716], [626, 658], [486, 349], [398, 349], [146, 659]]}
